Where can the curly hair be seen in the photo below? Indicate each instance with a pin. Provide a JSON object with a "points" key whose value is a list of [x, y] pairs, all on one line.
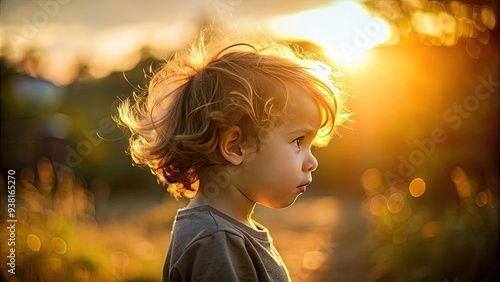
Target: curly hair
{"points": [[211, 85]]}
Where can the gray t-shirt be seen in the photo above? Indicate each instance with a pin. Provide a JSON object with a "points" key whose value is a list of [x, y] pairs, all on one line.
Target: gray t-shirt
{"points": [[208, 245]]}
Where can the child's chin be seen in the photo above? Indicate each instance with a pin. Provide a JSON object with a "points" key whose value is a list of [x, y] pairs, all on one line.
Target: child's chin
{"points": [[281, 205]]}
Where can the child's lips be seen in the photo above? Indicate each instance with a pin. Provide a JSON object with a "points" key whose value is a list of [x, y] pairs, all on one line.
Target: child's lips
{"points": [[302, 188]]}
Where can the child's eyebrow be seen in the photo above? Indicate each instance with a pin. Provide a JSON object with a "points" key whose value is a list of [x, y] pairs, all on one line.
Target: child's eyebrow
{"points": [[304, 131]]}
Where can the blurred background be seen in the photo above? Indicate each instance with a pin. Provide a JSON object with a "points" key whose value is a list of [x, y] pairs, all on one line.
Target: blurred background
{"points": [[408, 192]]}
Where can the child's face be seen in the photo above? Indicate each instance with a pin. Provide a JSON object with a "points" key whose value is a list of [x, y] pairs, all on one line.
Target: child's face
{"points": [[280, 170]]}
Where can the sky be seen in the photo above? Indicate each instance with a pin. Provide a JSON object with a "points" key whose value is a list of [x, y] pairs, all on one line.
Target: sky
{"points": [[107, 36]]}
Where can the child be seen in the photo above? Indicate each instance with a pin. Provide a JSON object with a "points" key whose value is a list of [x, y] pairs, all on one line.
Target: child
{"points": [[228, 125]]}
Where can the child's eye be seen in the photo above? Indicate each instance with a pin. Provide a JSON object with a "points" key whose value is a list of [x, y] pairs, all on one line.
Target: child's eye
{"points": [[297, 141]]}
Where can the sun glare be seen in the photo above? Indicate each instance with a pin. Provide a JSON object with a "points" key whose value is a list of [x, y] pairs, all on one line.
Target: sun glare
{"points": [[345, 30]]}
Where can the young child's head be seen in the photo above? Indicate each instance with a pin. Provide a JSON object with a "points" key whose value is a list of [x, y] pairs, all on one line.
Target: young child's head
{"points": [[215, 85]]}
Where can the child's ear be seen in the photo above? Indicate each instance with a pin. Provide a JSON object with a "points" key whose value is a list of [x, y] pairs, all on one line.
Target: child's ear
{"points": [[231, 145]]}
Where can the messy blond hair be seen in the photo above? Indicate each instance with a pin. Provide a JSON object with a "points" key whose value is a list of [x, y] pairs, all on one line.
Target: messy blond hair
{"points": [[211, 85]]}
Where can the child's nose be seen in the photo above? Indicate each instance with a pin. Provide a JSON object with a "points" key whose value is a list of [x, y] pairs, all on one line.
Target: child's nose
{"points": [[311, 163]]}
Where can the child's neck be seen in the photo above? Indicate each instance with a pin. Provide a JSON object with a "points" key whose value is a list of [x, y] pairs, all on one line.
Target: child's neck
{"points": [[223, 196]]}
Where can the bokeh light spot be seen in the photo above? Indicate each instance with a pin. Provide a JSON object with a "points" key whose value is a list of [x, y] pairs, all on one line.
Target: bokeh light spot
{"points": [[459, 9], [395, 202], [55, 264], [461, 181], [448, 22], [371, 179], [378, 205], [430, 229], [34, 243], [45, 170], [481, 198], [81, 272], [59, 245], [488, 17], [417, 187], [426, 23]]}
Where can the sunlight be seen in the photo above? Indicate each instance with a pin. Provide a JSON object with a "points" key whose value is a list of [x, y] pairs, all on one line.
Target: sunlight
{"points": [[345, 30], [114, 51]]}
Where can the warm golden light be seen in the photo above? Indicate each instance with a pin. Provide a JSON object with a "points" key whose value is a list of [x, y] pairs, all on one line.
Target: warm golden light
{"points": [[54, 264], [395, 202], [33, 242], [345, 30], [488, 17], [120, 259], [371, 179], [313, 260], [461, 181], [378, 205], [417, 187], [81, 272]]}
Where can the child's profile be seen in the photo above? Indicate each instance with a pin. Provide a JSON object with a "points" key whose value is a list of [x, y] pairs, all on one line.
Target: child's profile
{"points": [[229, 124]]}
